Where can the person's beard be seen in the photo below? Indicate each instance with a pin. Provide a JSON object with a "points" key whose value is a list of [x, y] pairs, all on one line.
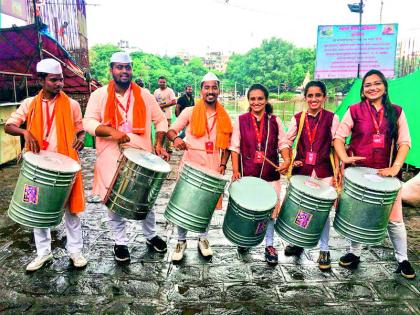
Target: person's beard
{"points": [[123, 85], [189, 94]]}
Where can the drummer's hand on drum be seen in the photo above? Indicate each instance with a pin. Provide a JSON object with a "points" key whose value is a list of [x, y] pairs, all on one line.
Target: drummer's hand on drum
{"points": [[161, 152], [120, 136], [236, 175], [180, 144], [297, 163], [31, 142], [389, 171], [353, 159], [283, 168]]}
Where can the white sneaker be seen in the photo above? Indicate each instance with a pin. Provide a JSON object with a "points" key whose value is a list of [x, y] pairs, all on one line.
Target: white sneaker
{"points": [[204, 248], [38, 262], [78, 260], [178, 253]]}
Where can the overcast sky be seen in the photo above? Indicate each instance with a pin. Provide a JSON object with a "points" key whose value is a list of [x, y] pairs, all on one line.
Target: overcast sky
{"points": [[199, 26]]}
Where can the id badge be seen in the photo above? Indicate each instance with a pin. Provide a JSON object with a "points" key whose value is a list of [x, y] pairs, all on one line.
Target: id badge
{"points": [[378, 141], [45, 144], [258, 157], [310, 158], [126, 127], [209, 147]]}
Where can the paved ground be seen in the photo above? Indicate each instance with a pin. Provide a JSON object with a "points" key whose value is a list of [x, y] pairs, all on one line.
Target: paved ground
{"points": [[228, 284]]}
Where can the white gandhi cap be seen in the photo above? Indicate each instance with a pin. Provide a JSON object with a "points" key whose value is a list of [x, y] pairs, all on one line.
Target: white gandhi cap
{"points": [[49, 65], [210, 76], [120, 57]]}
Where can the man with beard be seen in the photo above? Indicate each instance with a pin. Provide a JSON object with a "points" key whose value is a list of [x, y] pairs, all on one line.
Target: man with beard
{"points": [[54, 123], [208, 131], [184, 101], [122, 113]]}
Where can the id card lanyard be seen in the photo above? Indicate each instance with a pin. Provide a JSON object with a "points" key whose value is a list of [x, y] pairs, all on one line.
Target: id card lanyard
{"points": [[50, 119], [378, 139], [311, 156], [125, 108], [209, 145]]}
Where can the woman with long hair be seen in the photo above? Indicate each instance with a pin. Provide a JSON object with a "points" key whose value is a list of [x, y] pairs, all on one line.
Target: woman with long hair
{"points": [[317, 127], [378, 128], [256, 134]]}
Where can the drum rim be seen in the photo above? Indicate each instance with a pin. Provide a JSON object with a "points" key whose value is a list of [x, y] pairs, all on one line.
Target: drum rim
{"points": [[76, 165], [209, 172], [240, 203], [371, 170], [315, 193], [166, 167]]}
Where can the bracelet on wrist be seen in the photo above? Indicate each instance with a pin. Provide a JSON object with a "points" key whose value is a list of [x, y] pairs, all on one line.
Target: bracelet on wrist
{"points": [[221, 164], [176, 138]]}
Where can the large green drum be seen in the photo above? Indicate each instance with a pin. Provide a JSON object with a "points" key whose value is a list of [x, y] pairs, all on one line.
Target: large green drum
{"points": [[365, 205], [304, 211], [251, 202], [42, 189], [136, 183], [195, 197]]}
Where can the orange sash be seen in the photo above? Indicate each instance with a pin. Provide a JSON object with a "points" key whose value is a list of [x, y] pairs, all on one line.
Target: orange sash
{"points": [[65, 136], [112, 115], [223, 124]]}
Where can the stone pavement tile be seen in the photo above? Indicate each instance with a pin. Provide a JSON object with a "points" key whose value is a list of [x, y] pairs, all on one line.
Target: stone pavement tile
{"points": [[294, 273], [391, 267], [126, 305], [262, 273], [330, 308], [384, 308], [246, 292], [185, 273], [251, 308], [303, 295], [351, 291], [227, 273], [396, 289], [364, 272], [191, 293]]}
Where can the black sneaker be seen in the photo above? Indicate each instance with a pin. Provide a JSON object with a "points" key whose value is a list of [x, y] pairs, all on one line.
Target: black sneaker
{"points": [[349, 260], [243, 250], [121, 253], [406, 270], [157, 244], [324, 260], [293, 250], [271, 256]]}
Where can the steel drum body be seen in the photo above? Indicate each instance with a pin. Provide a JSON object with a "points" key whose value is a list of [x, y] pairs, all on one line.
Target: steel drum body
{"points": [[42, 189], [136, 184], [195, 197], [305, 210], [365, 205], [251, 202]]}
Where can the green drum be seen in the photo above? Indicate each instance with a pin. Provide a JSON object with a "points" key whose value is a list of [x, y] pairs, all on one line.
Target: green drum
{"points": [[42, 189], [365, 205], [304, 211], [136, 184], [251, 202], [195, 197]]}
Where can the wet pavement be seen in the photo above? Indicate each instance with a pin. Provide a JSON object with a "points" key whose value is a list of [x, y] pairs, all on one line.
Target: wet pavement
{"points": [[228, 284]]}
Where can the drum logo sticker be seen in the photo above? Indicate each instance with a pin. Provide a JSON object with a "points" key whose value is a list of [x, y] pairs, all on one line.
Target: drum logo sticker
{"points": [[303, 219], [260, 227], [30, 194]]}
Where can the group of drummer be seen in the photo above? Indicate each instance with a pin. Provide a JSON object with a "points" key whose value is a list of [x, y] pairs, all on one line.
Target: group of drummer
{"points": [[121, 114]]}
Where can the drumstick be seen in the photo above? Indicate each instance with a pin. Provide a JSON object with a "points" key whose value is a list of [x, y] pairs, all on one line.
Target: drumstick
{"points": [[269, 161]]}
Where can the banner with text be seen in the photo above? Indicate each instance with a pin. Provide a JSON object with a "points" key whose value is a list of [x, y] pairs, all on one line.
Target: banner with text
{"points": [[340, 49]]}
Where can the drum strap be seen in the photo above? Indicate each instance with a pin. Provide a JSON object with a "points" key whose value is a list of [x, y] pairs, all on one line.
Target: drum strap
{"points": [[301, 122]]}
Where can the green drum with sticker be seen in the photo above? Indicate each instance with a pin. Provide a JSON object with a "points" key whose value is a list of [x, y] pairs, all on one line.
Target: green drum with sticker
{"points": [[42, 189], [304, 211], [365, 205], [251, 202]]}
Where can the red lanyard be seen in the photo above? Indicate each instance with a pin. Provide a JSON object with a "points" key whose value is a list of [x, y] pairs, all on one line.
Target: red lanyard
{"points": [[381, 118], [49, 118], [258, 131], [311, 135], [127, 107], [212, 126]]}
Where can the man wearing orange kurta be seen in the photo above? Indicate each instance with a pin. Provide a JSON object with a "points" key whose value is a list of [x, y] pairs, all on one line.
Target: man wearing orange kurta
{"points": [[208, 130], [62, 132], [122, 113]]}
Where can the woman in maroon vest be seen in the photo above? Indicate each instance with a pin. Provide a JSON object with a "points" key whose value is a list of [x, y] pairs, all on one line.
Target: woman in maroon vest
{"points": [[258, 133], [375, 124], [313, 153]]}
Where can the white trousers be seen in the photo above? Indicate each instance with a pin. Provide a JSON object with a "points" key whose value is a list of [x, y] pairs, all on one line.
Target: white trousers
{"points": [[398, 236], [118, 227], [182, 233], [73, 232], [269, 234]]}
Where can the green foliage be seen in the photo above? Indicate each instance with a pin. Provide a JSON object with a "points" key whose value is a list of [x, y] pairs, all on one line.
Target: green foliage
{"points": [[99, 56]]}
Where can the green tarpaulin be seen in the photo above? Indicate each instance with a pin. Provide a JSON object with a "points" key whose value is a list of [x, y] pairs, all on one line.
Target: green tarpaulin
{"points": [[404, 92]]}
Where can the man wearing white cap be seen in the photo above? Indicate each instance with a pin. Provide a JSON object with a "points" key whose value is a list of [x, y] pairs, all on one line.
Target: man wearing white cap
{"points": [[43, 113], [207, 138], [122, 113]]}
